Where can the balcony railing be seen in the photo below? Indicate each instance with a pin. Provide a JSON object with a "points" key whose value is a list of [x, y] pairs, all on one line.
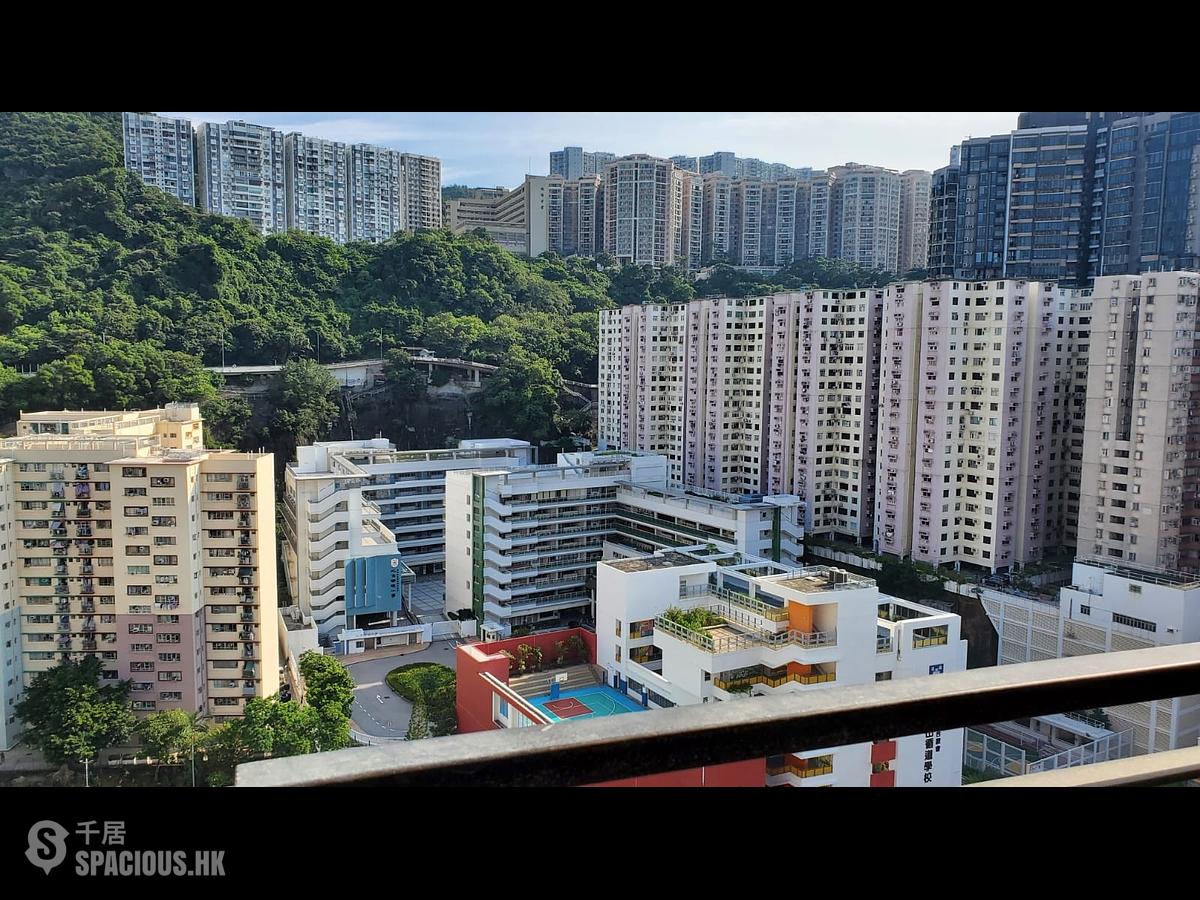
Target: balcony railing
{"points": [[613, 747]]}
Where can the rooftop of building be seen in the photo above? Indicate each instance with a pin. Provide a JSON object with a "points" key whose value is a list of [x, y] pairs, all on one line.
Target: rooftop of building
{"points": [[1148, 574], [816, 579], [665, 560], [738, 501]]}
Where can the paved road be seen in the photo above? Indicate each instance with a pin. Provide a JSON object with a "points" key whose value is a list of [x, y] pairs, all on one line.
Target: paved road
{"points": [[377, 709]]}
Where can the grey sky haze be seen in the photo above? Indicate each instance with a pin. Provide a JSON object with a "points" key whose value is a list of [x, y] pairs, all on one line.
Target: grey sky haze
{"points": [[492, 148]]}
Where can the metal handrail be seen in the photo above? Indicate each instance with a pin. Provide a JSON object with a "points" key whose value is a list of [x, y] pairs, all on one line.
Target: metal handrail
{"points": [[615, 747]]}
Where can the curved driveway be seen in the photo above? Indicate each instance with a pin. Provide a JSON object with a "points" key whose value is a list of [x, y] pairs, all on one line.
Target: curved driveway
{"points": [[377, 709]]}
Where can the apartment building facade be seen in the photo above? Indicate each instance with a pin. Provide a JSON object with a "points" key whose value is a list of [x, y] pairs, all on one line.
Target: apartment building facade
{"points": [[756, 395], [160, 151], [137, 545], [643, 197], [376, 193], [422, 191], [772, 630], [686, 381], [943, 225], [11, 679], [821, 406], [240, 173], [1068, 196], [965, 426], [864, 216], [574, 215], [1139, 499], [572, 163], [317, 186], [915, 188], [754, 222]]}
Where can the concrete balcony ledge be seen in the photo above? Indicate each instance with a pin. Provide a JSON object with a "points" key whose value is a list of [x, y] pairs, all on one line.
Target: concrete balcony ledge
{"points": [[614, 747]]}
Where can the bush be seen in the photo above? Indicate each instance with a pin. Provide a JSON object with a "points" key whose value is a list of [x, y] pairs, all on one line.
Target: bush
{"points": [[431, 688], [529, 658], [692, 619]]}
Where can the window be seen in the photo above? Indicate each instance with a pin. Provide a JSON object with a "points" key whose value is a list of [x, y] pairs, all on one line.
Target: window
{"points": [[618, 627], [1131, 622], [1135, 588]]}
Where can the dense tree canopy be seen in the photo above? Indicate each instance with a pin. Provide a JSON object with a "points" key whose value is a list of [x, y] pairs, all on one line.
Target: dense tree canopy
{"points": [[70, 717], [105, 276], [114, 294]]}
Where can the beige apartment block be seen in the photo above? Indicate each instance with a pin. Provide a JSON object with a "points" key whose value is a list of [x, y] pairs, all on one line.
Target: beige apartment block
{"points": [[1139, 486], [136, 544]]}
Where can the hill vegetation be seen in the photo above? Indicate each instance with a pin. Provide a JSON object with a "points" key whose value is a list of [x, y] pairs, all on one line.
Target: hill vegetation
{"points": [[117, 295]]}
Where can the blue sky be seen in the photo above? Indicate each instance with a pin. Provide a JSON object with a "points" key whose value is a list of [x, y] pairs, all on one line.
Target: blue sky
{"points": [[487, 149]]}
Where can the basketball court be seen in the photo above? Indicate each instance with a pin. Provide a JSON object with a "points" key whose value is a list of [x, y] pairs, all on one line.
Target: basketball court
{"points": [[585, 703]]}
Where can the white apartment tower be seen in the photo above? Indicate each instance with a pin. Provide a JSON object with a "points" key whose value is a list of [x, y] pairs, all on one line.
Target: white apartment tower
{"points": [[240, 173], [965, 425], [641, 196], [865, 216], [11, 678], [160, 151], [317, 184], [686, 380], [821, 406], [1139, 501], [915, 188], [422, 191], [376, 193], [754, 395]]}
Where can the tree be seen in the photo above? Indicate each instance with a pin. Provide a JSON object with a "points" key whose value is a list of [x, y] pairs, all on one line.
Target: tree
{"points": [[169, 734], [521, 398], [304, 396], [903, 580], [418, 723], [327, 682], [273, 728], [225, 422], [65, 383], [407, 382], [70, 717]]}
